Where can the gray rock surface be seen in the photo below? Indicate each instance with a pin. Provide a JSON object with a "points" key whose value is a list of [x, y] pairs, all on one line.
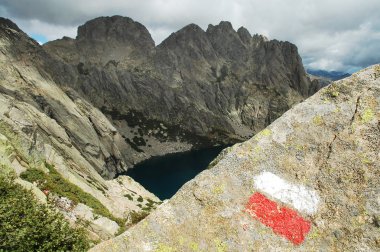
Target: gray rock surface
{"points": [[326, 146], [82, 125], [206, 87], [40, 122]]}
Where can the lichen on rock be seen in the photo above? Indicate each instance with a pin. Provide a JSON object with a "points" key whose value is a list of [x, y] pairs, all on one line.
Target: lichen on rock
{"points": [[319, 154]]}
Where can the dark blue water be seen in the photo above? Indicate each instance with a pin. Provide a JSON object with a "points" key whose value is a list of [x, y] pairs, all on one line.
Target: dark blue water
{"points": [[164, 175]]}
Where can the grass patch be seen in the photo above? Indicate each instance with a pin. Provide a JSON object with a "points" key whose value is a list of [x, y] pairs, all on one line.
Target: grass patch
{"points": [[128, 196], [26, 224], [138, 216], [149, 205], [148, 209], [150, 201], [55, 183], [140, 199]]}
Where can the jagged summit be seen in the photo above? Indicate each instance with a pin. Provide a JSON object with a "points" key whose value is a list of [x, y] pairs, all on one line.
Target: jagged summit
{"points": [[191, 27], [103, 39], [227, 42], [191, 32], [223, 25], [207, 87], [244, 35]]}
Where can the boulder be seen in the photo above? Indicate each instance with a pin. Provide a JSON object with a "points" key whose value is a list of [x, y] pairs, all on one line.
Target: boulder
{"points": [[308, 182]]}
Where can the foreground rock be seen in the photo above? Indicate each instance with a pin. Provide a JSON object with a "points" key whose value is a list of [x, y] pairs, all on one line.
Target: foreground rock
{"points": [[196, 89], [316, 169]]}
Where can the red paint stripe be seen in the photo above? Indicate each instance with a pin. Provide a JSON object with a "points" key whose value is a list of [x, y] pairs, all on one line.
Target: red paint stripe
{"points": [[283, 221]]}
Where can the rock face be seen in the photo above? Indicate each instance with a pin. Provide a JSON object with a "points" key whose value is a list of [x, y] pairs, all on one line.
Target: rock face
{"points": [[40, 122], [24, 79], [93, 106], [196, 89], [308, 182]]}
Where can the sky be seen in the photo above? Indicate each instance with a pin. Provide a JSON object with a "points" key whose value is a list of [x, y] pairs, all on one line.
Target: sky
{"points": [[332, 35]]}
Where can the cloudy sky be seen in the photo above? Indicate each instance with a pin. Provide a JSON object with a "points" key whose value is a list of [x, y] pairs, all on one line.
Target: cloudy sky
{"points": [[342, 35]]}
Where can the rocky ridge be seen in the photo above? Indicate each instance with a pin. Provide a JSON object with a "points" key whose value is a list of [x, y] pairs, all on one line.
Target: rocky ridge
{"points": [[324, 152], [196, 89], [41, 124]]}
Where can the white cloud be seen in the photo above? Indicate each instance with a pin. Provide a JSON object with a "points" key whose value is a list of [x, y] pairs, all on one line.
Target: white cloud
{"points": [[331, 35], [50, 31]]}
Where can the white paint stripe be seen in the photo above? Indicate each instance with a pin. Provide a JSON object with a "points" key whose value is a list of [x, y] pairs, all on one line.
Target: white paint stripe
{"points": [[300, 197]]}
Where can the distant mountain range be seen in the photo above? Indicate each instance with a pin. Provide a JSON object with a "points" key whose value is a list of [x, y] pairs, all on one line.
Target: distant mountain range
{"points": [[333, 75]]}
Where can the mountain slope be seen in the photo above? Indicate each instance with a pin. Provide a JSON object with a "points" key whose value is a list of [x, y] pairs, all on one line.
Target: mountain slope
{"points": [[196, 89], [310, 181], [46, 129]]}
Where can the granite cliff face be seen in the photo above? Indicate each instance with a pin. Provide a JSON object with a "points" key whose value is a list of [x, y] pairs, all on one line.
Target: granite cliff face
{"points": [[308, 182], [196, 89], [42, 124]]}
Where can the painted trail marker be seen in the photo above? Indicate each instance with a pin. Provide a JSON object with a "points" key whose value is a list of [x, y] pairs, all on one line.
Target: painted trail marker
{"points": [[300, 197], [283, 221]]}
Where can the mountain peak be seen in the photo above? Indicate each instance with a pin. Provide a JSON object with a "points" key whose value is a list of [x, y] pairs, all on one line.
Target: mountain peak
{"points": [[244, 35], [191, 28], [223, 26], [7, 23], [226, 25], [188, 33], [103, 39], [118, 28]]}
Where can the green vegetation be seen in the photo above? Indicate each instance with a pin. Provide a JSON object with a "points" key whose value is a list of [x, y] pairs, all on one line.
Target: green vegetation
{"points": [[138, 216], [128, 196], [55, 183], [140, 199], [16, 146], [367, 115], [318, 120], [149, 205], [146, 208], [26, 224]]}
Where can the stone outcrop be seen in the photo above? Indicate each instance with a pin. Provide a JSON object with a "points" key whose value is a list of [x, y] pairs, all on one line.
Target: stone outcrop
{"points": [[316, 168], [196, 89], [40, 122]]}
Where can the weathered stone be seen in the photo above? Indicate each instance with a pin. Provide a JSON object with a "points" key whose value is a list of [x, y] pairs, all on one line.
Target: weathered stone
{"points": [[102, 226], [323, 152]]}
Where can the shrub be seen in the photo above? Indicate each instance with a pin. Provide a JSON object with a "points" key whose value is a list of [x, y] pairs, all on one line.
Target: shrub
{"points": [[129, 196], [138, 216], [140, 199], [26, 225], [55, 183]]}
